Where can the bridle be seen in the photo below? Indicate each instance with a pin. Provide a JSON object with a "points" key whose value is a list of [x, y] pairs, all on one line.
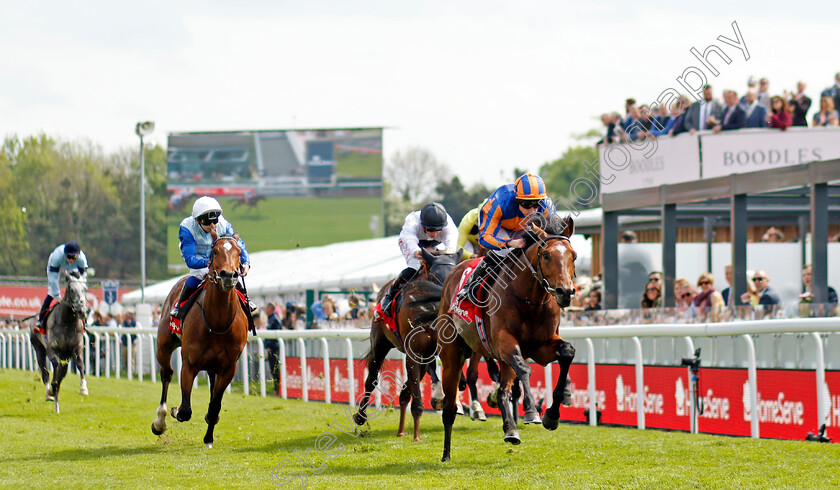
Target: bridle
{"points": [[214, 277], [538, 274]]}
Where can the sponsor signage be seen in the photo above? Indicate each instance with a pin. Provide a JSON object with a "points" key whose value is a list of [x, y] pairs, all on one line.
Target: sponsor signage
{"points": [[748, 151], [652, 163], [21, 301], [786, 405]]}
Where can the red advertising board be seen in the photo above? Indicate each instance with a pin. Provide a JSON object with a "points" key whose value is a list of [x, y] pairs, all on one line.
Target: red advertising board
{"points": [[21, 301], [786, 404]]}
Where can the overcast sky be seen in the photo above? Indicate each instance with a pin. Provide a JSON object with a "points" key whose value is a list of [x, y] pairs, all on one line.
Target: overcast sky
{"points": [[485, 85]]}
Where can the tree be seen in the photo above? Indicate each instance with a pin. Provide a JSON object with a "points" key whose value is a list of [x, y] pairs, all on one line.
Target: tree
{"points": [[459, 201], [414, 173], [560, 174], [14, 253]]}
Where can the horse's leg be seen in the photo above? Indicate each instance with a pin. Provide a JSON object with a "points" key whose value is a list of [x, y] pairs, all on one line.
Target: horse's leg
{"points": [[41, 356], [183, 412], [515, 394], [472, 379], [219, 385], [59, 371], [417, 396], [450, 356], [512, 356], [564, 353], [166, 344], [379, 348], [437, 391], [405, 397], [78, 358], [507, 375]]}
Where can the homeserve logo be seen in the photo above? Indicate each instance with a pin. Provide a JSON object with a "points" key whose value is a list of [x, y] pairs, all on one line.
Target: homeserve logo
{"points": [[777, 411], [713, 407], [625, 398]]}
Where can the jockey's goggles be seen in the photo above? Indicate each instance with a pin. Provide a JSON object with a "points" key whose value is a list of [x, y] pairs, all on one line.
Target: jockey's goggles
{"points": [[432, 230], [72, 257], [209, 218], [529, 203]]}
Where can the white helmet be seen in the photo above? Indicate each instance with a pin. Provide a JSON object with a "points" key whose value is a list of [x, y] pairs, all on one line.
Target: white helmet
{"points": [[204, 205]]}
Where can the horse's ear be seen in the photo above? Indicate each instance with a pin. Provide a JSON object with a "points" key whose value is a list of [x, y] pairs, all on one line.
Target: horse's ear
{"points": [[569, 230], [541, 234], [429, 258]]}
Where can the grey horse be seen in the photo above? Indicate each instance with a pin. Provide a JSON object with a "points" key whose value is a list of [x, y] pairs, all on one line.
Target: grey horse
{"points": [[64, 340]]}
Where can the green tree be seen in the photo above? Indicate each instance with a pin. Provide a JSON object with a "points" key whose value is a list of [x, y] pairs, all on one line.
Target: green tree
{"points": [[458, 200], [560, 174], [14, 253]]}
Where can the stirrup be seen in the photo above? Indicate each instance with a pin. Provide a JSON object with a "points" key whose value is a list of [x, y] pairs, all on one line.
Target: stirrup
{"points": [[253, 306], [175, 311]]}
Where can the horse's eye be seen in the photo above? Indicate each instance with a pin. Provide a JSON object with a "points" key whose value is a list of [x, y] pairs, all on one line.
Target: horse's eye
{"points": [[546, 255]]}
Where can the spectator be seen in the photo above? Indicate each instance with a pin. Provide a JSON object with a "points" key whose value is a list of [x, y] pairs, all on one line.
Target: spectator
{"points": [[709, 298], [128, 322], [773, 235], [582, 286], [632, 124], [756, 113], [764, 93], [646, 121], [734, 116], [726, 292], [807, 296], [800, 104], [594, 300], [652, 297], [833, 91], [703, 114], [766, 296], [272, 346], [323, 311], [661, 117], [779, 117], [751, 85], [670, 125], [609, 123], [827, 116], [684, 294], [290, 317], [353, 309]]}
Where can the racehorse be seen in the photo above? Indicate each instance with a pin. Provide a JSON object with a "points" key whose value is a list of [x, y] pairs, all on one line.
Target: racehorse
{"points": [[250, 201], [520, 321], [414, 340], [213, 336], [65, 336]]}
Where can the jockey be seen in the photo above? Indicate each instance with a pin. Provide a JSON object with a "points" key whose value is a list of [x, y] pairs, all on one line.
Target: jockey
{"points": [[431, 223], [68, 256], [196, 244], [468, 234], [501, 221]]}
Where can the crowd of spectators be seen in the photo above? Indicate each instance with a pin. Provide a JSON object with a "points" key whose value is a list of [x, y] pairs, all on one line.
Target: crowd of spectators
{"points": [[757, 108]]}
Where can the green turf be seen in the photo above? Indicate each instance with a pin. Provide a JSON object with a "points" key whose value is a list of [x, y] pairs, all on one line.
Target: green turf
{"points": [[105, 440], [287, 223]]}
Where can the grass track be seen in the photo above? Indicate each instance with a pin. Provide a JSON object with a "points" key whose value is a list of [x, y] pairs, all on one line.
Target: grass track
{"points": [[104, 440]]}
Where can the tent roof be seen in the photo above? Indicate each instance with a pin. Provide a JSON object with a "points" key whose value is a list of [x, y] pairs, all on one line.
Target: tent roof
{"points": [[345, 265]]}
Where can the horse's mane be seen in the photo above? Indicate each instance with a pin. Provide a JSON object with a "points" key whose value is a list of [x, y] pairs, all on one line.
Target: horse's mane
{"points": [[552, 225]]}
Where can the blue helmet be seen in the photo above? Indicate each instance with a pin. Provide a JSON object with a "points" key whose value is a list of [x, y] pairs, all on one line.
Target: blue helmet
{"points": [[72, 248]]}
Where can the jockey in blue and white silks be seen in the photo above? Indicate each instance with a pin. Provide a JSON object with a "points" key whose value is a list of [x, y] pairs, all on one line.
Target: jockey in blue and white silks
{"points": [[67, 256], [196, 242]]}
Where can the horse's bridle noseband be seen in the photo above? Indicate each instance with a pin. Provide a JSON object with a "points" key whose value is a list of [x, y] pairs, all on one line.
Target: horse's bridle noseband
{"points": [[214, 276]]}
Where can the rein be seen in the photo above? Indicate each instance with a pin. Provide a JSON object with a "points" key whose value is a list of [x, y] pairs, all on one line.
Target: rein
{"points": [[207, 326], [214, 274], [539, 276]]}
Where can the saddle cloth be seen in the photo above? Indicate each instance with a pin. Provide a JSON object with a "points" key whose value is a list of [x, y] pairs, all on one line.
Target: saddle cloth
{"points": [[390, 318], [466, 310], [40, 329]]}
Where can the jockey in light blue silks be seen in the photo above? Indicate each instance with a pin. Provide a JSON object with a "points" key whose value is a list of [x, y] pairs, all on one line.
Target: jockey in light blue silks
{"points": [[196, 244], [67, 256]]}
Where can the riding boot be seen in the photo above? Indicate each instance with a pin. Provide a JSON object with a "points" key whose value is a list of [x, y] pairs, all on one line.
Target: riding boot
{"points": [[176, 308], [477, 277], [251, 305], [398, 283], [44, 307]]}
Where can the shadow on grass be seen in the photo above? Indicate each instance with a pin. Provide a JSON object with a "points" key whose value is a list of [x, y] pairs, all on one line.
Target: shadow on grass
{"points": [[86, 454]]}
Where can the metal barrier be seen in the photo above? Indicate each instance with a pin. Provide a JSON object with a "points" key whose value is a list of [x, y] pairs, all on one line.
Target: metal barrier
{"points": [[16, 353]]}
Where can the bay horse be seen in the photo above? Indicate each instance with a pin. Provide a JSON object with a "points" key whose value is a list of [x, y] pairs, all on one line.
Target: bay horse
{"points": [[520, 322], [64, 339], [412, 320], [213, 336]]}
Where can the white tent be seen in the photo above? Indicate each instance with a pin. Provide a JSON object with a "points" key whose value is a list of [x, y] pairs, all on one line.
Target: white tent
{"points": [[345, 265]]}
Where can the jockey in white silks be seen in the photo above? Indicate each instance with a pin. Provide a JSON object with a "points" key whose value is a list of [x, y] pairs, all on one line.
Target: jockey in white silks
{"points": [[67, 256]]}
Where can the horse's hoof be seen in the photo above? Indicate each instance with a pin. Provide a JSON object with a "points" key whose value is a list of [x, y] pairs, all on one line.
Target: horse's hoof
{"points": [[50, 391], [209, 445], [400, 434], [157, 432], [83, 391], [359, 418], [549, 422], [531, 418], [49, 398], [445, 458], [513, 437]]}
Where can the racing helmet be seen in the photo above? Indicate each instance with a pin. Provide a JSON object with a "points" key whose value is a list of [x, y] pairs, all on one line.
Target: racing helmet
{"points": [[433, 215], [72, 248], [204, 205], [530, 187]]}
